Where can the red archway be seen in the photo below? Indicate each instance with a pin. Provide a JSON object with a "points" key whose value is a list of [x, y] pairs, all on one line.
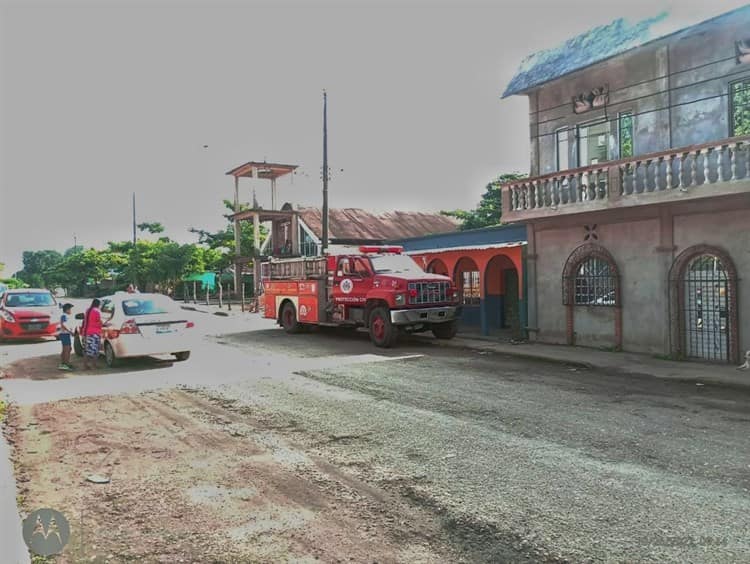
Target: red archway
{"points": [[501, 293], [437, 266], [467, 277]]}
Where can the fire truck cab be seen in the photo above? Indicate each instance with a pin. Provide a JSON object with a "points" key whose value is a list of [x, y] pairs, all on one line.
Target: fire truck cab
{"points": [[377, 287]]}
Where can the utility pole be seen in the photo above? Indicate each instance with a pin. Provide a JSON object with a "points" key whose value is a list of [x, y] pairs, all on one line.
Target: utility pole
{"points": [[324, 250], [134, 220], [135, 249]]}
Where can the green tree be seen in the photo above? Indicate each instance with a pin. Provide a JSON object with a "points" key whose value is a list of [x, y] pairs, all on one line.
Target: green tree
{"points": [[152, 227], [221, 243], [489, 210], [39, 268], [168, 262], [83, 269]]}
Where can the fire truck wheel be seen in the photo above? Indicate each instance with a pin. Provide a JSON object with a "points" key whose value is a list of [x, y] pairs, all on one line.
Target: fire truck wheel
{"points": [[289, 318], [445, 330], [382, 331]]}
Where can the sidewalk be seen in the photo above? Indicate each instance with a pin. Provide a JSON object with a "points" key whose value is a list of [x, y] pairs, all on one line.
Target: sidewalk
{"points": [[616, 362]]}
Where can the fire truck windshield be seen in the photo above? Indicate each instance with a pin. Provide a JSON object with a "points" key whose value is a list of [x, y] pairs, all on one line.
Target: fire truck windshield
{"points": [[394, 264]]}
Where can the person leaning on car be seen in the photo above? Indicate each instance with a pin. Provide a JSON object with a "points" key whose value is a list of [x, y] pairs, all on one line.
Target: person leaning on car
{"points": [[92, 334]]}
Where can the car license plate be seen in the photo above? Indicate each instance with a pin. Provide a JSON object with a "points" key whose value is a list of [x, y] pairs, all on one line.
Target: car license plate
{"points": [[163, 329], [35, 326]]}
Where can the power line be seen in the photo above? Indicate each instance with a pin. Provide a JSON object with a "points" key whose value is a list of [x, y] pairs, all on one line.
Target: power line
{"points": [[646, 81], [657, 93], [634, 114]]}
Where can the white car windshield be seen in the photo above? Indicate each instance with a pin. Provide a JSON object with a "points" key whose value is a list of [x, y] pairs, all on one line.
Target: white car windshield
{"points": [[394, 264], [148, 305]]}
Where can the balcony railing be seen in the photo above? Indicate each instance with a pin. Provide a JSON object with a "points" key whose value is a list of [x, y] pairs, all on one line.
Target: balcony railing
{"points": [[677, 169]]}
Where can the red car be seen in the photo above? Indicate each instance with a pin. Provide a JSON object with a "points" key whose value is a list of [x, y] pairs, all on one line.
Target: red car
{"points": [[28, 314]]}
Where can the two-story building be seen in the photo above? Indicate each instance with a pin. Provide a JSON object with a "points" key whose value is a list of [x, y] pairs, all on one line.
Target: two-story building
{"points": [[637, 207]]}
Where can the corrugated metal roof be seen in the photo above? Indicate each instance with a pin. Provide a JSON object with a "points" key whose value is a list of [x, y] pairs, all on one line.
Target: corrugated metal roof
{"points": [[358, 224], [603, 42], [469, 248]]}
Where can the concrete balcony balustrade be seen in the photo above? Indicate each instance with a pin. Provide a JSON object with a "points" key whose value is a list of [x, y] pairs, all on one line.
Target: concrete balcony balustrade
{"points": [[699, 171]]}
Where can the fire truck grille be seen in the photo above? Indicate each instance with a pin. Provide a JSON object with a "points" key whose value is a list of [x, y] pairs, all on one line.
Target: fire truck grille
{"points": [[428, 292]]}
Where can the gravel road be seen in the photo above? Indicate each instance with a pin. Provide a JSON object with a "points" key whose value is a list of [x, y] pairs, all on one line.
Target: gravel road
{"points": [[442, 454], [525, 459]]}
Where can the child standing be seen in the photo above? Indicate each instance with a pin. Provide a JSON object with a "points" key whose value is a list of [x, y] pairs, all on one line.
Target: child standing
{"points": [[65, 338]]}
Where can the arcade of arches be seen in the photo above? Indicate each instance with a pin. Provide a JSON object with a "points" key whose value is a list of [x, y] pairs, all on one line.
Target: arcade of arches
{"points": [[490, 282]]}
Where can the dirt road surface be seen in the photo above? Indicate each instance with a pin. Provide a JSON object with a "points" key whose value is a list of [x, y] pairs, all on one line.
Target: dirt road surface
{"points": [[192, 481]]}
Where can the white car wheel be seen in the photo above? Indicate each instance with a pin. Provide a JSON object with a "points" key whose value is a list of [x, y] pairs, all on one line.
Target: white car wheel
{"points": [[109, 355]]}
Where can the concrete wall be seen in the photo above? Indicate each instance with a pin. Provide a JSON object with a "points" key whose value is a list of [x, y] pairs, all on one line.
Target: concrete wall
{"points": [[676, 88], [641, 267], [644, 244]]}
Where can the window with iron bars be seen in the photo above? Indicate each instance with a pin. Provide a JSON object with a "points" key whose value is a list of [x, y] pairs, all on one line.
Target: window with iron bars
{"points": [[739, 108], [595, 283], [470, 294]]}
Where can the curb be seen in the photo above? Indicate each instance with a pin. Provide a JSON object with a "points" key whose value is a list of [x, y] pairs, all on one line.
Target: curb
{"points": [[487, 346], [11, 538]]}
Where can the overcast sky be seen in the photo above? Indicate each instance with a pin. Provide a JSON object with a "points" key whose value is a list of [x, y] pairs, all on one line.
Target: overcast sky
{"points": [[100, 99]]}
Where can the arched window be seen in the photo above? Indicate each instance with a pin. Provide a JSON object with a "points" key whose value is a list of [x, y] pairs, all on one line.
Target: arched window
{"points": [[591, 278]]}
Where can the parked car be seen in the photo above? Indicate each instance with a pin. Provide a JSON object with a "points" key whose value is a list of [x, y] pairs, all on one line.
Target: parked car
{"points": [[139, 325], [28, 313]]}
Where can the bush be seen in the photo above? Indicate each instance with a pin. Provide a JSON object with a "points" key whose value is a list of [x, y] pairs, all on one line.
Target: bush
{"points": [[13, 283]]}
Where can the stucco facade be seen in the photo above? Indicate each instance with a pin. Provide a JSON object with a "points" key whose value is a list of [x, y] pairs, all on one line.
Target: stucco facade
{"points": [[639, 227], [644, 244], [676, 89]]}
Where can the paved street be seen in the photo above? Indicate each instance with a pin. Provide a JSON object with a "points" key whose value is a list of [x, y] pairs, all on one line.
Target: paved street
{"points": [[420, 453]]}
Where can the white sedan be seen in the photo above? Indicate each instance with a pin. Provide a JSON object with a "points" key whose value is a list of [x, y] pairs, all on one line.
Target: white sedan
{"points": [[141, 325]]}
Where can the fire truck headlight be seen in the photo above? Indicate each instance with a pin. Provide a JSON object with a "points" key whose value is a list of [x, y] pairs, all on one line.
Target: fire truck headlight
{"points": [[400, 299]]}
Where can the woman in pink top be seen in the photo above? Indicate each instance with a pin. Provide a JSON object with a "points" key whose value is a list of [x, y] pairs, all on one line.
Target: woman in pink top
{"points": [[92, 333]]}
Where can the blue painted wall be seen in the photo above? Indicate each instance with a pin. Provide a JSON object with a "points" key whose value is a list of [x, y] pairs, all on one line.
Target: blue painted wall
{"points": [[470, 315], [494, 306], [510, 233]]}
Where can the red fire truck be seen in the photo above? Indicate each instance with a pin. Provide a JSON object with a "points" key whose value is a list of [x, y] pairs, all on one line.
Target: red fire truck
{"points": [[378, 287]]}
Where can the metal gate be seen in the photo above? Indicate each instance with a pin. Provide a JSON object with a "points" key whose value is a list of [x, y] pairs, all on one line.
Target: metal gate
{"points": [[706, 293]]}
